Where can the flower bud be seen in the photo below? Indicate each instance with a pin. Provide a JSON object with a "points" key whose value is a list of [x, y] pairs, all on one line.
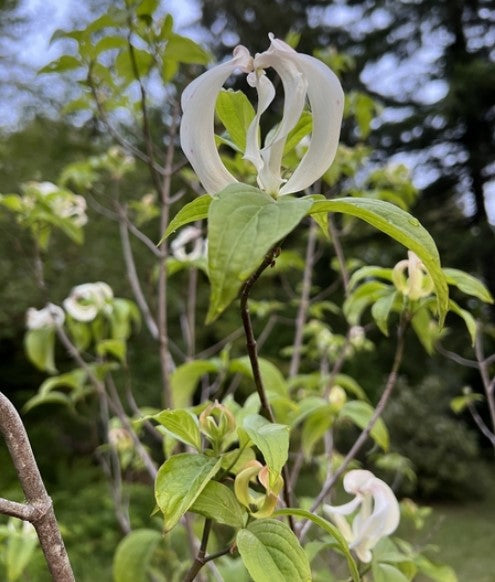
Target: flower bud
{"points": [[216, 421], [418, 284], [337, 397]]}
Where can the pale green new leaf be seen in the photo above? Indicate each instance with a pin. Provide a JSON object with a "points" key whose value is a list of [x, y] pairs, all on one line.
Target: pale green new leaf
{"points": [[179, 482], [360, 413], [459, 403], [217, 502], [236, 113], [369, 271], [40, 348], [467, 317], [271, 376], [402, 227], [185, 378], [184, 50], [113, 347], [244, 224], [332, 530], [380, 310], [133, 555], [272, 553], [387, 573], [195, 210], [271, 439], [359, 299], [468, 284], [181, 424]]}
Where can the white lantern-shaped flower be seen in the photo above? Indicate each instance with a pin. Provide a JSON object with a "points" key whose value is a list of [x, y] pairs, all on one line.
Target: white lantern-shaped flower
{"points": [[302, 76]]}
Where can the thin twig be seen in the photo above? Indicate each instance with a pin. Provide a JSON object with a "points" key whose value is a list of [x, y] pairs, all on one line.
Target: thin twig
{"points": [[339, 252], [40, 512], [302, 312], [133, 278], [356, 447]]}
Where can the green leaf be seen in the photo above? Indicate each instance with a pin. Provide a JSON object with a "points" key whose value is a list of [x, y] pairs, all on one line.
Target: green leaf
{"points": [[370, 271], [20, 546], [468, 284], [184, 379], [179, 482], [182, 424], [467, 317], [184, 50], [271, 439], [217, 502], [315, 426], [270, 374], [402, 227], [272, 553], [380, 310], [459, 403], [437, 572], [108, 43], [244, 223], [332, 530], [302, 128], [133, 555], [236, 113], [113, 347], [359, 299], [387, 573], [64, 63], [195, 210], [40, 348], [51, 398], [360, 413]]}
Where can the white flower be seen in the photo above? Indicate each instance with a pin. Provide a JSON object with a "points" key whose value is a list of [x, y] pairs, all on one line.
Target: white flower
{"points": [[50, 316], [190, 234], [377, 517], [302, 77], [87, 300]]}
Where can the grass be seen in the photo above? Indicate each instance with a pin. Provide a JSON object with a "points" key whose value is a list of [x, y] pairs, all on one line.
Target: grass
{"points": [[465, 535]]}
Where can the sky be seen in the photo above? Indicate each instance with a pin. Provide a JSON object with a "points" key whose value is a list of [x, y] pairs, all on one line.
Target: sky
{"points": [[33, 50]]}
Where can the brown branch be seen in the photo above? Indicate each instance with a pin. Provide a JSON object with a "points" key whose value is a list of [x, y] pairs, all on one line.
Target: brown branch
{"points": [[200, 560], [265, 410], [356, 447], [39, 507]]}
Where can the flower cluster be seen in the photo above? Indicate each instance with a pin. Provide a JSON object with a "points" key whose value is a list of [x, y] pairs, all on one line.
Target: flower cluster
{"points": [[50, 316], [86, 301], [302, 77]]}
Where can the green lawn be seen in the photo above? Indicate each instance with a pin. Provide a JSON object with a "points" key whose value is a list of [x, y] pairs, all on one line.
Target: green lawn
{"points": [[465, 535]]}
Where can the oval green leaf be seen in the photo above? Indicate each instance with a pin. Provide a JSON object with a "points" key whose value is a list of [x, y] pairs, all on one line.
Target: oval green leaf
{"points": [[179, 482], [244, 223], [272, 553], [133, 555]]}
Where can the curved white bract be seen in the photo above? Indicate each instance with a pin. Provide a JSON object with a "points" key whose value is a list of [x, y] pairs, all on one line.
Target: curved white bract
{"points": [[302, 76]]}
